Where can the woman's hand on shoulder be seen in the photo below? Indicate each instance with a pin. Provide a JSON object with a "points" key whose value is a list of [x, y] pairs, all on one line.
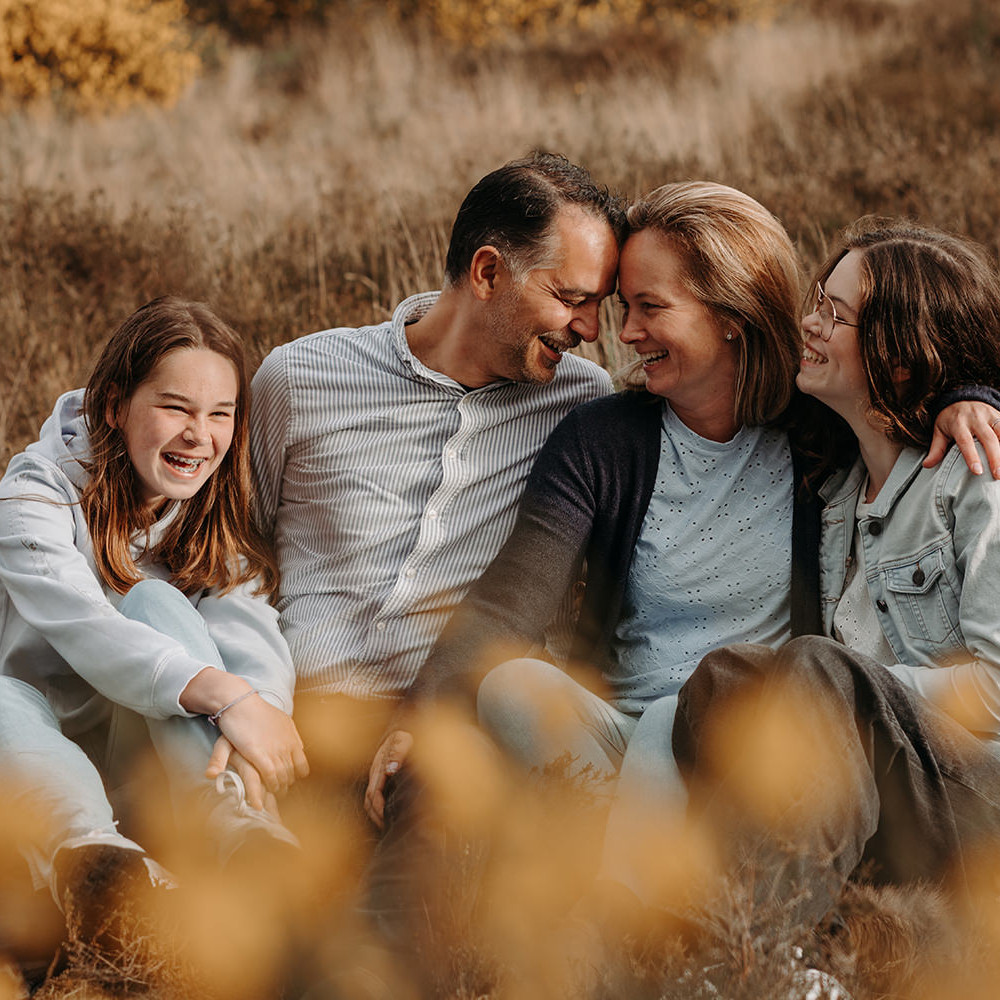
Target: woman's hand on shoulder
{"points": [[965, 423]]}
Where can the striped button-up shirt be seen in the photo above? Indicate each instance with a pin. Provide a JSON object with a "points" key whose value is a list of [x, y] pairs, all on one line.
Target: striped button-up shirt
{"points": [[389, 488]]}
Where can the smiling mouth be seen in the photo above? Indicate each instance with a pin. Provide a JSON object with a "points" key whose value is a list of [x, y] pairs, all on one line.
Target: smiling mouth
{"points": [[554, 345], [812, 357], [651, 359], [183, 464]]}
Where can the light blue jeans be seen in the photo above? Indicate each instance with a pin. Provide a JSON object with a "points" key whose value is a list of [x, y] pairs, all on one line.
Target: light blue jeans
{"points": [[537, 713], [57, 784]]}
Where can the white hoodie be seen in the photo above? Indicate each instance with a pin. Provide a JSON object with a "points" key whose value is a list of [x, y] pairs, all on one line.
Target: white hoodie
{"points": [[59, 627]]}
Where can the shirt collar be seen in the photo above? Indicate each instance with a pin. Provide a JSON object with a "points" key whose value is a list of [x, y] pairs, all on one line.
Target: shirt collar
{"points": [[840, 487], [409, 311]]}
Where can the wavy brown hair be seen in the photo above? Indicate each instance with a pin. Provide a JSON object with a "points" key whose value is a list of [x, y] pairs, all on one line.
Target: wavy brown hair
{"points": [[739, 263], [930, 305], [213, 540]]}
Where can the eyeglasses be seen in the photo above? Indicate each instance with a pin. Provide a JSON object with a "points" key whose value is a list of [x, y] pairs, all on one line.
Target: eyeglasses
{"points": [[827, 314]]}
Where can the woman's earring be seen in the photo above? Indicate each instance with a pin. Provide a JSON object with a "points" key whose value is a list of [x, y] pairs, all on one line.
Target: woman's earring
{"points": [[729, 336]]}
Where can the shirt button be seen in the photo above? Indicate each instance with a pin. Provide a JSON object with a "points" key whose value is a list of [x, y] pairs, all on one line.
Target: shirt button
{"points": [[875, 528], [380, 626], [411, 573], [431, 514], [918, 577], [881, 605], [450, 453]]}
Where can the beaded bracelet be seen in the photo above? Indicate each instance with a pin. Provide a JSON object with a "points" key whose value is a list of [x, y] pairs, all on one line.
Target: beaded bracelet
{"points": [[214, 719]]}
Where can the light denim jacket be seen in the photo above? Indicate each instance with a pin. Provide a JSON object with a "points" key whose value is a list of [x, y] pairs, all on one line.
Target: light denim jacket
{"points": [[59, 626], [932, 563]]}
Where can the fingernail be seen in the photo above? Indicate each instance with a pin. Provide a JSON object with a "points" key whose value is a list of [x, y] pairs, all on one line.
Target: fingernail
{"points": [[977, 468], [392, 767]]}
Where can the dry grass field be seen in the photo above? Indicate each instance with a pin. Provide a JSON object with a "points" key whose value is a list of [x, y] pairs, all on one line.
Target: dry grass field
{"points": [[311, 183]]}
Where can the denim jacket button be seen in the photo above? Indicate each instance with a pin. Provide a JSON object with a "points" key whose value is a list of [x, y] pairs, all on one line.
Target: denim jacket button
{"points": [[875, 528], [918, 577], [881, 605]]}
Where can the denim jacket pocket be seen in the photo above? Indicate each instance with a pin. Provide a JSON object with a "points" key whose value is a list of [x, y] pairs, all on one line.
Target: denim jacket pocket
{"points": [[925, 601]]}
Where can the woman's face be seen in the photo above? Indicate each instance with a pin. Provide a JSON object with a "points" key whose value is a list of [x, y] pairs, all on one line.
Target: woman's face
{"points": [[681, 342], [832, 370], [178, 424]]}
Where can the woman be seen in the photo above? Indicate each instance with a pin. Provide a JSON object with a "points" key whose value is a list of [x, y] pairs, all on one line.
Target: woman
{"points": [[132, 580]]}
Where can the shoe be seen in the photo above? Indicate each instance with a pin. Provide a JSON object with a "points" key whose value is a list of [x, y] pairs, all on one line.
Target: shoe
{"points": [[814, 984], [110, 896], [236, 824]]}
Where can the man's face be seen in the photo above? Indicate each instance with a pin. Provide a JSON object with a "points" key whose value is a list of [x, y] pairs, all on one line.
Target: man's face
{"points": [[530, 323]]}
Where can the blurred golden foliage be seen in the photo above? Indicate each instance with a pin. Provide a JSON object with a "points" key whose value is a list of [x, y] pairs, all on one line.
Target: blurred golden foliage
{"points": [[295, 209], [771, 748], [28, 920], [100, 54], [512, 906], [12, 985], [461, 769], [92, 54]]}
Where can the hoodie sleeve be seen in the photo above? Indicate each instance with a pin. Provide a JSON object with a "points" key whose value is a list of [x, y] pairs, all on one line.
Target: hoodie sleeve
{"points": [[244, 628], [53, 587]]}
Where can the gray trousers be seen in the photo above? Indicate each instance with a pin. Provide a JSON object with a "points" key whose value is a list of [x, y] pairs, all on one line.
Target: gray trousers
{"points": [[871, 778]]}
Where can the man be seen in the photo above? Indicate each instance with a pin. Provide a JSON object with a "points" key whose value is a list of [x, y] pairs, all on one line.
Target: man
{"points": [[391, 458]]}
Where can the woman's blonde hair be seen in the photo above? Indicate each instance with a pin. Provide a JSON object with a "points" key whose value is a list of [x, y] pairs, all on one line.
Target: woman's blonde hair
{"points": [[739, 262], [213, 540]]}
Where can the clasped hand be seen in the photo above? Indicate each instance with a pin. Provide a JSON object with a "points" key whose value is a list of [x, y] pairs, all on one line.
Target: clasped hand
{"points": [[259, 742]]}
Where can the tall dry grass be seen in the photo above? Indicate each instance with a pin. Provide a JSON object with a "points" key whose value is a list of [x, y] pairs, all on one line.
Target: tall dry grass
{"points": [[313, 183]]}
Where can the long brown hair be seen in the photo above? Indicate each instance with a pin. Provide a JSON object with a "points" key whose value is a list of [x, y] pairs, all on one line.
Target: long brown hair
{"points": [[930, 305], [213, 540], [739, 263]]}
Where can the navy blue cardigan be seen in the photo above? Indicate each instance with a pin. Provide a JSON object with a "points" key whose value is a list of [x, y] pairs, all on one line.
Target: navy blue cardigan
{"points": [[583, 506]]}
